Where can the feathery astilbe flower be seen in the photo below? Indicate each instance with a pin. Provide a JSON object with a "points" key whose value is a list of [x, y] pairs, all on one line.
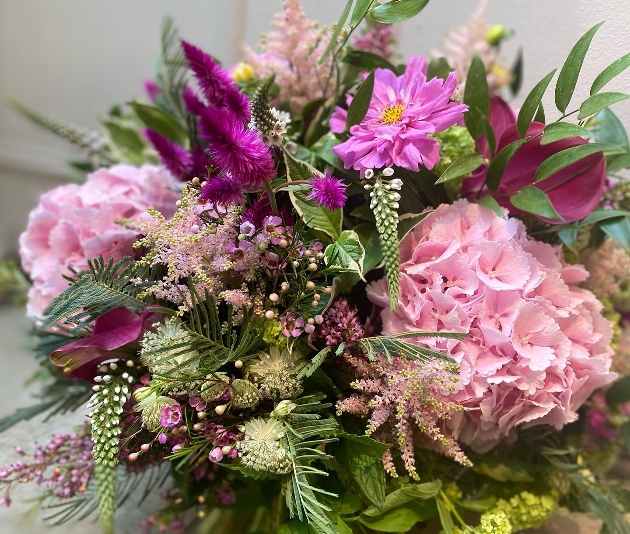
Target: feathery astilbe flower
{"points": [[215, 83], [234, 148], [404, 402], [404, 111], [291, 52], [462, 42], [379, 39], [328, 191], [340, 324]]}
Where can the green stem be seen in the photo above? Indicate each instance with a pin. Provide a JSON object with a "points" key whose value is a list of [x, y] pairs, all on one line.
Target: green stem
{"points": [[565, 115], [289, 184], [452, 509], [272, 198]]}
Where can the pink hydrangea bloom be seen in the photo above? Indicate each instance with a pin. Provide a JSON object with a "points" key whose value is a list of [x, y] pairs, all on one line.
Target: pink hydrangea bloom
{"points": [[537, 343], [75, 223], [403, 112]]}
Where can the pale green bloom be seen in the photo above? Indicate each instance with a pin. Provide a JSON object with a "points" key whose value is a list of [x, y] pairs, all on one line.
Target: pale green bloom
{"points": [[261, 447]]}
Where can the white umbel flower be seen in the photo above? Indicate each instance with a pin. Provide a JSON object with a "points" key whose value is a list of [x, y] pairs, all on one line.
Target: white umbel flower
{"points": [[261, 447]]}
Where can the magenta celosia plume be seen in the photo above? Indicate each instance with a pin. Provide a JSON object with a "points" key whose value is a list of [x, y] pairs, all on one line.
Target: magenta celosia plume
{"points": [[537, 343], [574, 191], [74, 223], [404, 111], [328, 191]]}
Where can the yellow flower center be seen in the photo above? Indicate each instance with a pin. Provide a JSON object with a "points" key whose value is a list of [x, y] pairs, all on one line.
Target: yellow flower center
{"points": [[392, 114]]}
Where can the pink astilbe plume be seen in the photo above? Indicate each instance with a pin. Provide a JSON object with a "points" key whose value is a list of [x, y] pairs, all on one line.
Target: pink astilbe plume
{"points": [[537, 344], [462, 43], [379, 39], [235, 148], [291, 52], [406, 406], [340, 324]]}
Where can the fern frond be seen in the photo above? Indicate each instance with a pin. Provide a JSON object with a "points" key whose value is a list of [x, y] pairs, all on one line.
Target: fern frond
{"points": [[390, 346], [104, 287]]}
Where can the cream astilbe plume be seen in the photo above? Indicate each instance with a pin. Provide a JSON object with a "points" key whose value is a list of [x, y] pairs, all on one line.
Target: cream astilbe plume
{"points": [[291, 51], [461, 43]]}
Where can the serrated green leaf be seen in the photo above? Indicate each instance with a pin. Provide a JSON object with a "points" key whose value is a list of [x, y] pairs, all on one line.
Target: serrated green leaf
{"points": [[610, 72], [367, 60], [397, 10], [564, 158], [500, 162], [490, 202], [346, 252], [360, 102], [477, 98], [567, 79], [392, 345], [533, 200], [599, 101], [562, 130], [159, 121], [461, 167], [531, 104]]}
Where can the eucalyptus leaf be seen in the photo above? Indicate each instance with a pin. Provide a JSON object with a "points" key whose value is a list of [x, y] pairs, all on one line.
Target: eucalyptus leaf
{"points": [[360, 103], [159, 121], [367, 60], [533, 200], [397, 10], [500, 162], [531, 104], [489, 202], [564, 158], [477, 98], [599, 101], [617, 229], [461, 167], [567, 79], [562, 130], [610, 72]]}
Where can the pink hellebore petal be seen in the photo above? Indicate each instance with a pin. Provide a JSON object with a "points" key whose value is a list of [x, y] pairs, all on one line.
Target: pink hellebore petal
{"points": [[112, 331], [574, 191]]}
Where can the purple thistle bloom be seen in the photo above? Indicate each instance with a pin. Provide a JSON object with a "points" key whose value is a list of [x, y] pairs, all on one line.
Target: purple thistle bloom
{"points": [[328, 191], [223, 190], [175, 158], [236, 148]]}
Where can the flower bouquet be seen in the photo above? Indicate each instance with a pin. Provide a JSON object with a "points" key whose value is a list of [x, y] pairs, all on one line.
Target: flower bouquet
{"points": [[330, 291]]}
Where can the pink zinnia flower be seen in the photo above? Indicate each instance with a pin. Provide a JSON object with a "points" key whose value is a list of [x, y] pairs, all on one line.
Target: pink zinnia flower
{"points": [[403, 112], [328, 191], [537, 344]]}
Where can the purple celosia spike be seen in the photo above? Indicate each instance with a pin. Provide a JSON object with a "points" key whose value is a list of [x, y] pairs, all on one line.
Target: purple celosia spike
{"points": [[193, 103], [328, 191], [152, 89], [214, 81], [222, 190], [260, 208], [236, 148], [200, 161], [238, 103], [175, 158]]}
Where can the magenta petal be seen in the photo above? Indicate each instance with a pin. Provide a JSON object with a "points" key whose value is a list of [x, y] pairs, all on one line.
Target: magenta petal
{"points": [[113, 330]]}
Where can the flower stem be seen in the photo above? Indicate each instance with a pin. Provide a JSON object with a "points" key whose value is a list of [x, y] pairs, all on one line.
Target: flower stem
{"points": [[272, 198]]}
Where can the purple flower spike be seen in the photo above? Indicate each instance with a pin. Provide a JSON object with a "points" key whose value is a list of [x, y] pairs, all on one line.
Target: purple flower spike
{"points": [[223, 191], [328, 191], [175, 158]]}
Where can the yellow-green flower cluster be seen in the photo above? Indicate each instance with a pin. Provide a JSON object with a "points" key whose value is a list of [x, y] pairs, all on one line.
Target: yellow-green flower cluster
{"points": [[455, 142], [527, 510]]}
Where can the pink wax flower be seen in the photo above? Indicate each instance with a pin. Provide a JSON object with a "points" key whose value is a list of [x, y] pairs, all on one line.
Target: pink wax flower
{"points": [[574, 191], [537, 344], [403, 112], [75, 223], [171, 416], [291, 326]]}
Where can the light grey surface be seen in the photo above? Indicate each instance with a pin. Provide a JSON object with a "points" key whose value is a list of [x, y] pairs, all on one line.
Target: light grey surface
{"points": [[17, 364]]}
